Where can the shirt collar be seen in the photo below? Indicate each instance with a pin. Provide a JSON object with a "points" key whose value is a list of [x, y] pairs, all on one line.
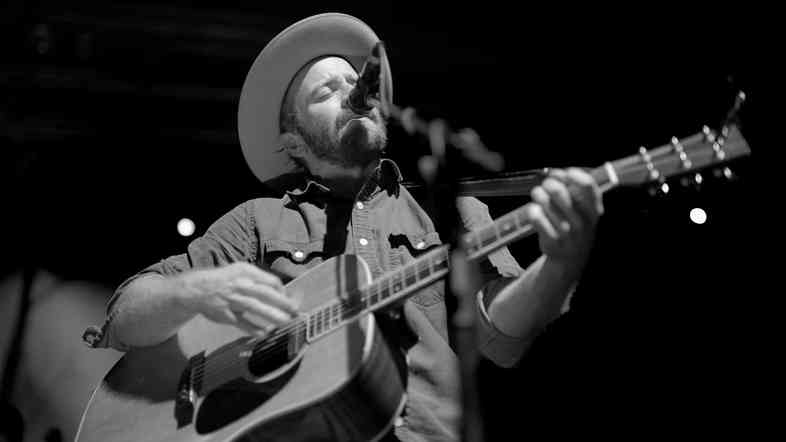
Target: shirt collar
{"points": [[386, 176]]}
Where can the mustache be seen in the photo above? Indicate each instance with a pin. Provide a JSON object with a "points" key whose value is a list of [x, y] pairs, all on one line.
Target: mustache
{"points": [[346, 116]]}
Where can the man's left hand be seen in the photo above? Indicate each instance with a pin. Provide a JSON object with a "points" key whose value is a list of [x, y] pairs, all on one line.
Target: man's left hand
{"points": [[564, 210]]}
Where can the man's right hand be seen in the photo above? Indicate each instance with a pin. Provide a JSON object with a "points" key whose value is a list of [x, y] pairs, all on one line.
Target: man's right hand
{"points": [[239, 294]]}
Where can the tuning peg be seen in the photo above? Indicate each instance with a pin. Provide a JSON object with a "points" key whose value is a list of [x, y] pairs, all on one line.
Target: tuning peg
{"points": [[661, 189], [709, 135], [680, 151], [653, 172], [726, 173], [694, 181]]}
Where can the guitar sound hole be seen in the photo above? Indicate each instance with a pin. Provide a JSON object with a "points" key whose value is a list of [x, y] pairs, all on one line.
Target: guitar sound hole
{"points": [[237, 399], [270, 355]]}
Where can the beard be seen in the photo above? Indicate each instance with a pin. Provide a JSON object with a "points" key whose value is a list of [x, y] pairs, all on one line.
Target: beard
{"points": [[350, 141]]}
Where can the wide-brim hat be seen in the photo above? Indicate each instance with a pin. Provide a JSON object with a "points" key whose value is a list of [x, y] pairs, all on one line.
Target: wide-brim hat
{"points": [[266, 84]]}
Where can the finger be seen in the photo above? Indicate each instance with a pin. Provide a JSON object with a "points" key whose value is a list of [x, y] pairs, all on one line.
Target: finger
{"points": [[540, 221], [268, 295], [542, 198], [267, 312], [260, 276], [226, 316], [558, 174], [469, 135], [586, 193], [562, 202], [223, 315], [254, 324]]}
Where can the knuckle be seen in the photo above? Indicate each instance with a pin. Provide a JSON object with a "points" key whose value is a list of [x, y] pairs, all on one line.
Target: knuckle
{"points": [[551, 184], [540, 195]]}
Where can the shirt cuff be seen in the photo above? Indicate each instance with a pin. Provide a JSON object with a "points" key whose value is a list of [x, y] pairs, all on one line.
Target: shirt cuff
{"points": [[504, 350]]}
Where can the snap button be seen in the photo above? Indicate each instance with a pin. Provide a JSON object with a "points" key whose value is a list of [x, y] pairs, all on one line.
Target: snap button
{"points": [[420, 245], [399, 422], [359, 205], [299, 255], [363, 241]]}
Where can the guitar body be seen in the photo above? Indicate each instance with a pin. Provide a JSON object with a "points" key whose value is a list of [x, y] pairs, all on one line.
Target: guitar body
{"points": [[332, 380], [343, 386]]}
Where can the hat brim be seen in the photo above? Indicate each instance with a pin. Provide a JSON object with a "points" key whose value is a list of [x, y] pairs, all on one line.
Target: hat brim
{"points": [[268, 79]]}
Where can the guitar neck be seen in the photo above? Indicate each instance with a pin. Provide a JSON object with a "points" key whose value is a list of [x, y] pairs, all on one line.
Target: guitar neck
{"points": [[679, 157], [399, 284]]}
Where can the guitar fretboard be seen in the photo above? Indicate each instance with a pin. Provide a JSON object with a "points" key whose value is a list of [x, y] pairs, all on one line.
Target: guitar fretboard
{"points": [[678, 157]]}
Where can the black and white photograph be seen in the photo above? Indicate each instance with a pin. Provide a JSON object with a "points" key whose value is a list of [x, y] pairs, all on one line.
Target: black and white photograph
{"points": [[383, 221]]}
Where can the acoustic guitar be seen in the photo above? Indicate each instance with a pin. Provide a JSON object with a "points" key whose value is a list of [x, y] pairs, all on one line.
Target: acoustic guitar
{"points": [[328, 375]]}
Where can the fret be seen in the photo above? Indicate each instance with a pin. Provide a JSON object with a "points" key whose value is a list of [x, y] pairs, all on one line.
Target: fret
{"points": [[348, 307], [319, 321], [521, 217], [440, 261], [342, 308], [395, 283], [336, 314], [373, 297], [311, 325], [423, 269], [384, 289], [507, 225], [488, 235], [410, 276], [326, 317]]}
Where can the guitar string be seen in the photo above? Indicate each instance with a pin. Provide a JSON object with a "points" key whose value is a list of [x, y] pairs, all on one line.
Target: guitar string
{"points": [[275, 344], [276, 338], [259, 354], [344, 313]]}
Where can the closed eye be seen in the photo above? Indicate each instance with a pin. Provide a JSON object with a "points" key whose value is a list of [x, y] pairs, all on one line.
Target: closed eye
{"points": [[324, 92]]}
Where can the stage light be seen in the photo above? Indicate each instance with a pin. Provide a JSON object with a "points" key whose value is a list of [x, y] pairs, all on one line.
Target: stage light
{"points": [[185, 227], [698, 216]]}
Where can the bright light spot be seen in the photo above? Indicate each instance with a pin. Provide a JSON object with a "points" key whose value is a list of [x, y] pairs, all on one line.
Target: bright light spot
{"points": [[698, 216], [664, 188], [185, 227]]}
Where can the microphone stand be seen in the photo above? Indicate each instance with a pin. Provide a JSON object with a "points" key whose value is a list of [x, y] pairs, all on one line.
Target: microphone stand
{"points": [[443, 189]]}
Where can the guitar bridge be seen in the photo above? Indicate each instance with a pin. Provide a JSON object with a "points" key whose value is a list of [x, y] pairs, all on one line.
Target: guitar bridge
{"points": [[187, 391]]}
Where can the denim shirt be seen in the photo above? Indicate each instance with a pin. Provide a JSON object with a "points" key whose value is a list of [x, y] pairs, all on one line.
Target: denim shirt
{"points": [[387, 228]]}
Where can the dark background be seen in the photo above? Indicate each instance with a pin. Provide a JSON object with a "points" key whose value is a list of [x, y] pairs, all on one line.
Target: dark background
{"points": [[119, 118]]}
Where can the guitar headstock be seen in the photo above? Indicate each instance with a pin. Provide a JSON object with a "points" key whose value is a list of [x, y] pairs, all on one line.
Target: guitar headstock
{"points": [[681, 156]]}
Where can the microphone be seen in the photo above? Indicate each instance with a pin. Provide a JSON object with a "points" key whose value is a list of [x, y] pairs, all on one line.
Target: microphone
{"points": [[359, 99]]}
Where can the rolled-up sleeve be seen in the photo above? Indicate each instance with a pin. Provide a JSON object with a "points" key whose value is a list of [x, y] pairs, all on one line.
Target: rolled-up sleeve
{"points": [[232, 238], [498, 270]]}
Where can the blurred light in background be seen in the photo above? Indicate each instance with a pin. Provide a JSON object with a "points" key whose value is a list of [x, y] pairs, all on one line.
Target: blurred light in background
{"points": [[698, 216], [185, 227]]}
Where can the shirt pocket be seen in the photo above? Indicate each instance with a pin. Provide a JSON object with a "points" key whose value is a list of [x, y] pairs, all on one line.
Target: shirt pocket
{"points": [[289, 259], [407, 247]]}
